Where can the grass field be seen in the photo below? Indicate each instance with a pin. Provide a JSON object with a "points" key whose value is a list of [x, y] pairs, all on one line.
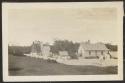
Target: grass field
{"points": [[27, 66]]}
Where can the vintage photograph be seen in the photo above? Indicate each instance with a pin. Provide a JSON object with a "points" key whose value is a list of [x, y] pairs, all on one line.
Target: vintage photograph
{"points": [[60, 41]]}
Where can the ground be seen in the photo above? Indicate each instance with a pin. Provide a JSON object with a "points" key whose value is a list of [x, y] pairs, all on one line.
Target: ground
{"points": [[28, 66]]}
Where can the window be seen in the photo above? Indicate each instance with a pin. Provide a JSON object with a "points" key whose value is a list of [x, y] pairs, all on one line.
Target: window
{"points": [[101, 52], [96, 52], [89, 52]]}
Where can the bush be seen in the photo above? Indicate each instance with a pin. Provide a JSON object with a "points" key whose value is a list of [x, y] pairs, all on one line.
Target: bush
{"points": [[18, 54], [114, 57], [52, 61]]}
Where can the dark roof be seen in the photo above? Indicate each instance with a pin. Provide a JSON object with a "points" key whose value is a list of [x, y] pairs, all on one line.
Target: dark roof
{"points": [[96, 46]]}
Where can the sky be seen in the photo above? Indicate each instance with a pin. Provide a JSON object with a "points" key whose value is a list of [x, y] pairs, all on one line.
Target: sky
{"points": [[75, 24]]}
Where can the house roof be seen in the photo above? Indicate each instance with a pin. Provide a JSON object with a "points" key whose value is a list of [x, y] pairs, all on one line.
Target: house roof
{"points": [[63, 53], [96, 46]]}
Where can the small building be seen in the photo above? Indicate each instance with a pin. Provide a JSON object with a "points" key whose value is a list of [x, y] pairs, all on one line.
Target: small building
{"points": [[99, 50], [64, 55]]}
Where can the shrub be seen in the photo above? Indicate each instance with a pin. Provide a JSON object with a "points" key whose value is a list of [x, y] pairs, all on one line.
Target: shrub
{"points": [[52, 61], [73, 56]]}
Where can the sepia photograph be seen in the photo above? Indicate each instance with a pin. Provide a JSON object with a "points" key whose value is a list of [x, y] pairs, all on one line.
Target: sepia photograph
{"points": [[75, 41]]}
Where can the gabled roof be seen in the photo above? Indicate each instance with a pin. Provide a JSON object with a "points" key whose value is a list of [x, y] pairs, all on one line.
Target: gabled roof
{"points": [[96, 46]]}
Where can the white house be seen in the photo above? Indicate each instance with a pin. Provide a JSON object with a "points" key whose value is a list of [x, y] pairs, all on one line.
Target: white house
{"points": [[99, 50]]}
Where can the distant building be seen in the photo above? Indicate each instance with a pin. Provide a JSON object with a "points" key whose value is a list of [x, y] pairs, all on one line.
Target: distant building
{"points": [[64, 55], [87, 49], [38, 48]]}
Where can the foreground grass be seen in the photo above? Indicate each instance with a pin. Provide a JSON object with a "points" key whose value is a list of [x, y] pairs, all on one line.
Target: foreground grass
{"points": [[27, 66]]}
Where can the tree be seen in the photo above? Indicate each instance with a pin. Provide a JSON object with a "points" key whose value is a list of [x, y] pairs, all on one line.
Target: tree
{"points": [[64, 45], [112, 47], [19, 50]]}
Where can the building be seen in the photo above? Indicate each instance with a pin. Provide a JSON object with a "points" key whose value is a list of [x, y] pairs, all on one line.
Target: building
{"points": [[64, 55], [97, 50], [36, 48], [40, 49]]}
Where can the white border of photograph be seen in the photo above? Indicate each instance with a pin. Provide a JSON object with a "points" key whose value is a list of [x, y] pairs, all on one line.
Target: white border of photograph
{"points": [[7, 6]]}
